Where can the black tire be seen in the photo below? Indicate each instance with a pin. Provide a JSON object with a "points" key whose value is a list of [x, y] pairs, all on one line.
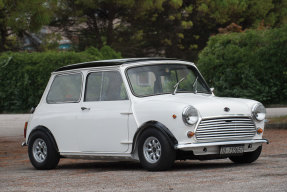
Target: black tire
{"points": [[167, 152], [52, 156], [247, 157]]}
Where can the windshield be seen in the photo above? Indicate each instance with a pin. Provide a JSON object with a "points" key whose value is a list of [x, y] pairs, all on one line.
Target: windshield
{"points": [[161, 79]]}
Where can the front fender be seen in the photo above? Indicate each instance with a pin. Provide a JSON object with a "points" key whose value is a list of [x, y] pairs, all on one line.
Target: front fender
{"points": [[156, 125]]}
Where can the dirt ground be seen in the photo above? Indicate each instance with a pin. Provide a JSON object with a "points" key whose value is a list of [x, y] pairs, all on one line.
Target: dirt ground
{"points": [[268, 173]]}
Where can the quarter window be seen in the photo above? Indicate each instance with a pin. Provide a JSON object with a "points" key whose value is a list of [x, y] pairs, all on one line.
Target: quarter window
{"points": [[105, 86], [65, 88]]}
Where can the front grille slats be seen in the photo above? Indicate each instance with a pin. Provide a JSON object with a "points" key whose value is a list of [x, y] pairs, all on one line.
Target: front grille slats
{"points": [[225, 119], [227, 132], [227, 125], [231, 138], [225, 129], [224, 136]]}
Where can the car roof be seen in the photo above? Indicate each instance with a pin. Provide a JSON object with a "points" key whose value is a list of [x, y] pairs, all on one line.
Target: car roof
{"points": [[111, 62]]}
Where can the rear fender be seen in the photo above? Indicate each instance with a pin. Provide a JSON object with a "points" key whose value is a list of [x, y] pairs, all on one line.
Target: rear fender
{"points": [[47, 132]]}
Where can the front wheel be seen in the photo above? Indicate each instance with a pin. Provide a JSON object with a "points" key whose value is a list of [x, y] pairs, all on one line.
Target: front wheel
{"points": [[247, 157], [155, 152], [42, 153]]}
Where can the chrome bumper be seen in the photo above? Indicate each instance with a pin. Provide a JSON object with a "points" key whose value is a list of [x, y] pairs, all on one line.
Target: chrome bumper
{"points": [[194, 145]]}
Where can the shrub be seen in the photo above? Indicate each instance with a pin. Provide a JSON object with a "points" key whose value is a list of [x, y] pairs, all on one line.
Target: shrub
{"points": [[252, 64], [23, 76]]}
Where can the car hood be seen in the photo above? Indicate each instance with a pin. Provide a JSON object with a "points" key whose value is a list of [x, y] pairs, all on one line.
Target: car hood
{"points": [[207, 105]]}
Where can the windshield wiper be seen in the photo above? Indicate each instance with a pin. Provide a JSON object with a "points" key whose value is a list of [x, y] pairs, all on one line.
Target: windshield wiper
{"points": [[176, 86], [195, 84]]}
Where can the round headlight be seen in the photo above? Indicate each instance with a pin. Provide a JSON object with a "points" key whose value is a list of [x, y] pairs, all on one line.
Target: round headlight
{"points": [[259, 112], [190, 115]]}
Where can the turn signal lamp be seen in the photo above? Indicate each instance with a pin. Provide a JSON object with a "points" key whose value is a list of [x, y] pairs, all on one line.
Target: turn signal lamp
{"points": [[190, 134], [259, 130]]}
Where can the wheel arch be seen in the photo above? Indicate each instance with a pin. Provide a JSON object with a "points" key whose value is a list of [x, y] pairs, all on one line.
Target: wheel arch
{"points": [[47, 132], [156, 125]]}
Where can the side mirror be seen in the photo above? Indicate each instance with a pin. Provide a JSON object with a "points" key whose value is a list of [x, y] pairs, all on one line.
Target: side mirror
{"points": [[212, 89]]}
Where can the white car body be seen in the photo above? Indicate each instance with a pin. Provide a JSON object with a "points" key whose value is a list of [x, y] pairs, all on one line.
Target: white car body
{"points": [[108, 129]]}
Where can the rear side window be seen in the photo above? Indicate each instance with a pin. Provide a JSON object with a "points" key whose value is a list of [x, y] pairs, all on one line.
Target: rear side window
{"points": [[105, 86], [65, 89]]}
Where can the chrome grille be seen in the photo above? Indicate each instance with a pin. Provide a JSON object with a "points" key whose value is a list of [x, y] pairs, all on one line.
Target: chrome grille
{"points": [[225, 129]]}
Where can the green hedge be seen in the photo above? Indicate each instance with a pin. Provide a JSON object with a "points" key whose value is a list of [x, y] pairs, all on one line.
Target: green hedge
{"points": [[23, 76], [252, 64]]}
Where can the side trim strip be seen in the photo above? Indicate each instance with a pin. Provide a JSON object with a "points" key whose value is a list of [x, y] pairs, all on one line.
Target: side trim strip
{"points": [[100, 156]]}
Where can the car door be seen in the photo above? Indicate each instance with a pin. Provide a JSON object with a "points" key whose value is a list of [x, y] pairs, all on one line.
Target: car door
{"points": [[104, 114], [60, 111]]}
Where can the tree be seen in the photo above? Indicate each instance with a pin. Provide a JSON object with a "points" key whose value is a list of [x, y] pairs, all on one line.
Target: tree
{"points": [[159, 27], [20, 16], [211, 15], [181, 28], [172, 28], [93, 21]]}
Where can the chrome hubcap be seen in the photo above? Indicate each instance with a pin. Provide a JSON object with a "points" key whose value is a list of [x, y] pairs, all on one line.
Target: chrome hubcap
{"points": [[152, 149], [39, 150]]}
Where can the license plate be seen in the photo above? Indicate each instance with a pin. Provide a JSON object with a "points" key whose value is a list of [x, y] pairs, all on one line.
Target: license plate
{"points": [[232, 150]]}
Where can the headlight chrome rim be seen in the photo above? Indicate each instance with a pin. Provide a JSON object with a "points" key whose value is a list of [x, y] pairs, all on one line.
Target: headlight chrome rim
{"points": [[190, 115], [258, 112]]}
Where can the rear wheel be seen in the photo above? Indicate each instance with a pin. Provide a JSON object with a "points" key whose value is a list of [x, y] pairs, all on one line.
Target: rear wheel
{"points": [[247, 157], [42, 153], [155, 152]]}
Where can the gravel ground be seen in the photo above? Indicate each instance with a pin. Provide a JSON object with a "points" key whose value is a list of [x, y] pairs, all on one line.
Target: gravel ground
{"points": [[268, 173]]}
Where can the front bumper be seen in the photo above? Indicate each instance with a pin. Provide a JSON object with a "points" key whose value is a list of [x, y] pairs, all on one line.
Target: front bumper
{"points": [[193, 145], [213, 147]]}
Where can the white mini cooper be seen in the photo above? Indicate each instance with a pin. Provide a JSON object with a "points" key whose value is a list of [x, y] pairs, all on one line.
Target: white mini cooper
{"points": [[154, 110]]}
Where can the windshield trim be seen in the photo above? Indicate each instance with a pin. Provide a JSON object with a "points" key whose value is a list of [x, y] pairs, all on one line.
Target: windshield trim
{"points": [[140, 96]]}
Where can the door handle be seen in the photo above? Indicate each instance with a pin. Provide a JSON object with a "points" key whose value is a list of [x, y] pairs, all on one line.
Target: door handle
{"points": [[85, 108], [126, 113]]}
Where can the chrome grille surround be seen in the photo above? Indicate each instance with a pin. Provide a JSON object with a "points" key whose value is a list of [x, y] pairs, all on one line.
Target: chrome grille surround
{"points": [[225, 129]]}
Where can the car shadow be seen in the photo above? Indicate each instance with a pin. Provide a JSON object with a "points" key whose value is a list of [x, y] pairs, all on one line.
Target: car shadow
{"points": [[101, 166], [204, 165]]}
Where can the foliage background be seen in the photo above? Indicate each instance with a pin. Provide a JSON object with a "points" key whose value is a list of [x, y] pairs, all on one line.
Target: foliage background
{"points": [[240, 45], [252, 64], [137, 28], [23, 76]]}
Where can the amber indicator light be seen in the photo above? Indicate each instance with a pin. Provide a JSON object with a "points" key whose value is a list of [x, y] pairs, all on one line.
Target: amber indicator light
{"points": [[190, 134], [174, 116], [260, 130]]}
